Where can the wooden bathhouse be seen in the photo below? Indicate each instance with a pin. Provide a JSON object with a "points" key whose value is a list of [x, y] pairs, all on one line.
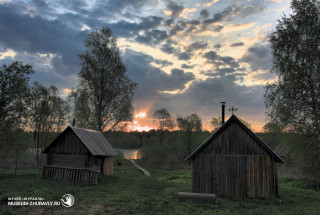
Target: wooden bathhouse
{"points": [[78, 155], [233, 161]]}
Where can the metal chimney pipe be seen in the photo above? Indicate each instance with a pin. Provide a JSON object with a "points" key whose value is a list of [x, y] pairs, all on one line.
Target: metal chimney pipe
{"points": [[73, 122], [223, 111]]}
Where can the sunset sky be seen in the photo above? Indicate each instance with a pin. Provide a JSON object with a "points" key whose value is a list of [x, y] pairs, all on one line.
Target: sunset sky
{"points": [[186, 56]]}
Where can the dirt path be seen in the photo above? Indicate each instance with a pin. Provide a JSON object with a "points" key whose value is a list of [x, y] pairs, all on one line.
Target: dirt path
{"points": [[145, 172]]}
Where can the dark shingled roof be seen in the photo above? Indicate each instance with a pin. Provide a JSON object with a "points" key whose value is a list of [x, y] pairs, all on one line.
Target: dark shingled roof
{"points": [[233, 118], [95, 141]]}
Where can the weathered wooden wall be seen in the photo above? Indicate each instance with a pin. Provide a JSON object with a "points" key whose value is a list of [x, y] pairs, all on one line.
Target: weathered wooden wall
{"points": [[234, 140], [67, 160], [68, 143], [108, 166], [75, 161], [235, 175], [69, 174], [234, 164]]}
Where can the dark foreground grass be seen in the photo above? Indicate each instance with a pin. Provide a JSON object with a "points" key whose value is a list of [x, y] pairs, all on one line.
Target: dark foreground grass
{"points": [[130, 192]]}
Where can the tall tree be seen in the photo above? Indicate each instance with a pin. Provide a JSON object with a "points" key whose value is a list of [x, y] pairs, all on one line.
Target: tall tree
{"points": [[273, 134], [163, 121], [105, 92], [13, 92], [189, 125], [294, 100], [48, 113]]}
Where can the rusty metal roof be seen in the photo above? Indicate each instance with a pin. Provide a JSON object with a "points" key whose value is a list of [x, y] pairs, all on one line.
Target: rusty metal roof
{"points": [[95, 141]]}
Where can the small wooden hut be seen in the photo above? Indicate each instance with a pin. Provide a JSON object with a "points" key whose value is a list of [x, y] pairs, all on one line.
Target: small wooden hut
{"points": [[78, 155], [233, 161]]}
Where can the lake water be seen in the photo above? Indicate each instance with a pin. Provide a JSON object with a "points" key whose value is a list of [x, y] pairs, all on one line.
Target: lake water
{"points": [[130, 153]]}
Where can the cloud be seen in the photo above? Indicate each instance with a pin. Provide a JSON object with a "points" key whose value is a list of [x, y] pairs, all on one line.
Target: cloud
{"points": [[180, 26], [237, 44], [232, 12], [208, 94], [168, 22], [198, 45], [204, 13], [185, 55], [258, 57], [185, 66], [175, 9], [152, 37], [116, 9], [35, 37], [211, 56], [229, 61], [151, 80], [163, 63], [168, 48], [131, 29], [217, 46]]}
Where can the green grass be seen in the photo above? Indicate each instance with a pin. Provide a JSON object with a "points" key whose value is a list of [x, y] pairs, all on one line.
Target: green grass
{"points": [[128, 191]]}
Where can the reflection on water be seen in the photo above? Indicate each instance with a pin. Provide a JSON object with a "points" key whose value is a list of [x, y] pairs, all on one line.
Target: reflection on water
{"points": [[130, 153]]}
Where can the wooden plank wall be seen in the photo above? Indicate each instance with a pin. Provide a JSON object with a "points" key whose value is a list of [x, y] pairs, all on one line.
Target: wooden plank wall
{"points": [[108, 166], [67, 160], [234, 140], [68, 143], [235, 164], [68, 174], [235, 175]]}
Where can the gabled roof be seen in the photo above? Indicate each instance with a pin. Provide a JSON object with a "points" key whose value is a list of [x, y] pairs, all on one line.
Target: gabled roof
{"points": [[232, 119], [95, 141]]}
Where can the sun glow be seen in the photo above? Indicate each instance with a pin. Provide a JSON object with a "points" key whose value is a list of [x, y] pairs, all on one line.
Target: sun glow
{"points": [[141, 122], [9, 53], [141, 115]]}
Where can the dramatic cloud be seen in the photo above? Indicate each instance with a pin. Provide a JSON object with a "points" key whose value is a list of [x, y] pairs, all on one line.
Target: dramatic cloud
{"points": [[151, 80], [186, 56], [258, 57]]}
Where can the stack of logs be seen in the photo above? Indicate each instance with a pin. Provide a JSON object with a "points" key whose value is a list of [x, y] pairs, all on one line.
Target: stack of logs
{"points": [[69, 174]]}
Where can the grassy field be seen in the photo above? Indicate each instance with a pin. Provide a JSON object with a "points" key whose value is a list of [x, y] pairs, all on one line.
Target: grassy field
{"points": [[130, 192]]}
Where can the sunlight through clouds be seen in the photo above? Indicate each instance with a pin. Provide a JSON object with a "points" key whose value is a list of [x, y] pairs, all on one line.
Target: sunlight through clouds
{"points": [[185, 55]]}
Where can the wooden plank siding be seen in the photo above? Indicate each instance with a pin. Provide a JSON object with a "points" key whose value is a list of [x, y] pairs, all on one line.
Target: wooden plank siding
{"points": [[68, 143], [69, 174], [234, 175], [67, 160], [108, 166], [234, 164]]}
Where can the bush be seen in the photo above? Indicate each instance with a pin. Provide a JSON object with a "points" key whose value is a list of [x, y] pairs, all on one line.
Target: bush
{"points": [[172, 152]]}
